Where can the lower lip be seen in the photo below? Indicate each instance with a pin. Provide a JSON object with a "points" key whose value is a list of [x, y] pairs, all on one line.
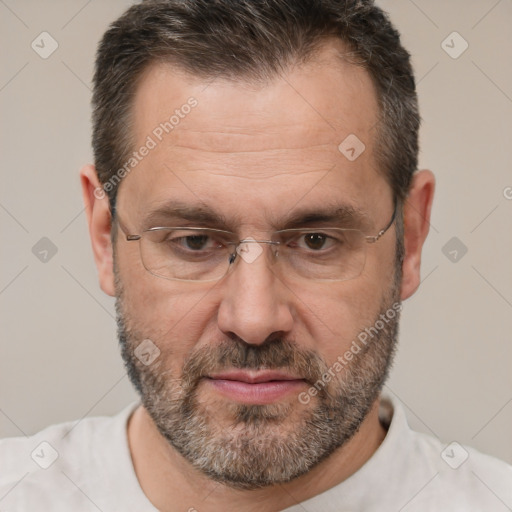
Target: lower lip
{"points": [[258, 393]]}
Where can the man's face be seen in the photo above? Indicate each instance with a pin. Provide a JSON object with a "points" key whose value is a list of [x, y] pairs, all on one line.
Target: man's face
{"points": [[256, 156]]}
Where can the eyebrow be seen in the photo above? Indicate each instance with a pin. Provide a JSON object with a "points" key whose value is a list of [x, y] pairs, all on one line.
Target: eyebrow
{"points": [[186, 215], [182, 213], [336, 215]]}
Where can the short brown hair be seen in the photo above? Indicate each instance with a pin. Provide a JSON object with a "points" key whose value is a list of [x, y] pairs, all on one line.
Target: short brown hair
{"points": [[252, 40]]}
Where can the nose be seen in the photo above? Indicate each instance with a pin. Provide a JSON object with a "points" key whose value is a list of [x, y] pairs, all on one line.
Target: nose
{"points": [[255, 302]]}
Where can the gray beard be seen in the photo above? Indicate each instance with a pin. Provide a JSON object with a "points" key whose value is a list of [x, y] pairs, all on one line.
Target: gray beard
{"points": [[262, 445]]}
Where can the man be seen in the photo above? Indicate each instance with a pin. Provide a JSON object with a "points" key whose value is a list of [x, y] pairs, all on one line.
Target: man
{"points": [[256, 211]]}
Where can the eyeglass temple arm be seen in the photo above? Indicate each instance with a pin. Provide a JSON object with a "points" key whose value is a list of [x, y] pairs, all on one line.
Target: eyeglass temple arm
{"points": [[115, 217], [373, 239]]}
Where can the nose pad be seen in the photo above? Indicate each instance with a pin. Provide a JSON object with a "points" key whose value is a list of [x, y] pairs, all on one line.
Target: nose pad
{"points": [[250, 249]]}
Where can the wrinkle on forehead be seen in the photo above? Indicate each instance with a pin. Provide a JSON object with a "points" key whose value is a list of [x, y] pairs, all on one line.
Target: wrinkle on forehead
{"points": [[256, 164]]}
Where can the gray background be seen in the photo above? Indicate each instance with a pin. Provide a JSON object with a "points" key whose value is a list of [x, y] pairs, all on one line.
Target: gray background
{"points": [[59, 358]]}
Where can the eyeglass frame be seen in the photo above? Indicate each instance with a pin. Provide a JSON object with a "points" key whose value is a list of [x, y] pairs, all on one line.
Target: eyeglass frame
{"points": [[371, 239]]}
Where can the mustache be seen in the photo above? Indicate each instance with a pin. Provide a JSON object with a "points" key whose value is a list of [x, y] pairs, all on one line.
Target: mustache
{"points": [[273, 354]]}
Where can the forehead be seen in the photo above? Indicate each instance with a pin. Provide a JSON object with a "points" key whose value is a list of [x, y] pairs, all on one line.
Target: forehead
{"points": [[265, 144]]}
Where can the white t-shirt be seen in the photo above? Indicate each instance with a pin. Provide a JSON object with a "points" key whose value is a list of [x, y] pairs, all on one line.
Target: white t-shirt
{"points": [[86, 466]]}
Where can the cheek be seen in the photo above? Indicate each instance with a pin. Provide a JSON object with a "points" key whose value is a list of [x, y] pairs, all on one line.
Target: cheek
{"points": [[334, 314], [171, 314]]}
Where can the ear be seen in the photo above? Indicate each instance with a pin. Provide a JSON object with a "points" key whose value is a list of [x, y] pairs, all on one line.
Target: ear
{"points": [[417, 208], [99, 220]]}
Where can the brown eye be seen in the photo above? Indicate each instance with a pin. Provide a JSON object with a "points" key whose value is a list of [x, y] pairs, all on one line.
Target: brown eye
{"points": [[315, 241]]}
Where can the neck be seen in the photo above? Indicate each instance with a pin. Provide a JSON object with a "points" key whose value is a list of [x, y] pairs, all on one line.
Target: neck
{"points": [[172, 484]]}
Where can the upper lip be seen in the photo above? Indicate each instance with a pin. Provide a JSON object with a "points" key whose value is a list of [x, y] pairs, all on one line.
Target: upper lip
{"points": [[253, 377]]}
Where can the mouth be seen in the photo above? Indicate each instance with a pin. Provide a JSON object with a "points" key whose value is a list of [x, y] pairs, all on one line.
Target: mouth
{"points": [[255, 387]]}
